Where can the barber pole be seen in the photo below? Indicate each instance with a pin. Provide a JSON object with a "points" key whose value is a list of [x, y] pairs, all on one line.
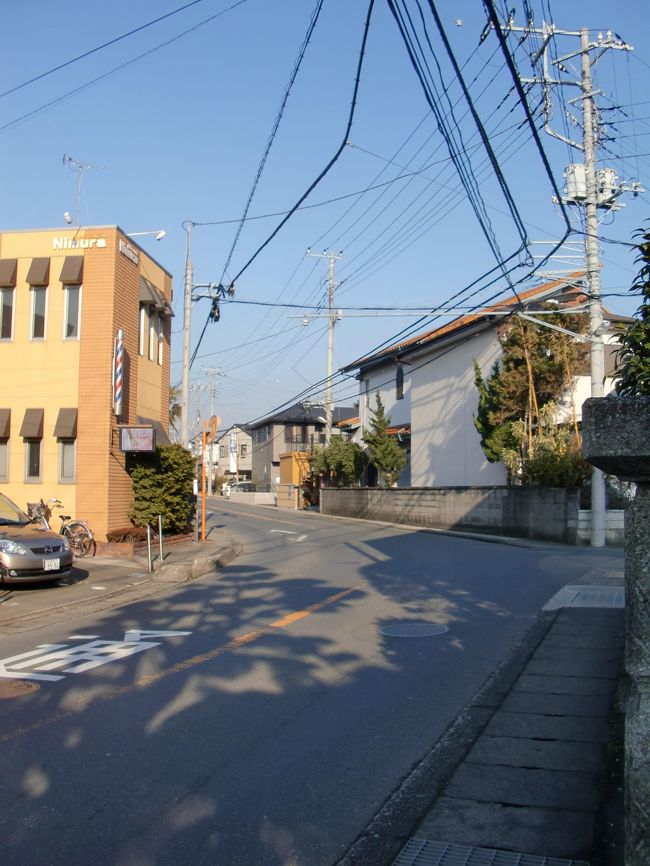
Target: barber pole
{"points": [[118, 364]]}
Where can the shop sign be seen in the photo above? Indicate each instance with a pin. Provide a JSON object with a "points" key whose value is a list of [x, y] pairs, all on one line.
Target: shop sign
{"points": [[78, 243]]}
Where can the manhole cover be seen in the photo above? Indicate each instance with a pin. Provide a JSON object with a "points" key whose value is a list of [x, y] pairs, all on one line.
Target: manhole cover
{"points": [[16, 688], [412, 629]]}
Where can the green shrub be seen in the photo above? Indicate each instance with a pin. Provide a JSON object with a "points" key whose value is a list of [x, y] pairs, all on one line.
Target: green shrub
{"points": [[633, 359], [127, 533], [163, 484]]}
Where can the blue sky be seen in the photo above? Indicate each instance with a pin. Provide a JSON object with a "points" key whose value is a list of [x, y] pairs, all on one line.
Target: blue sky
{"points": [[179, 115]]}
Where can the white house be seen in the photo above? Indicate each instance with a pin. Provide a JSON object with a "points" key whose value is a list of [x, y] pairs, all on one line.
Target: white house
{"points": [[426, 384], [232, 453]]}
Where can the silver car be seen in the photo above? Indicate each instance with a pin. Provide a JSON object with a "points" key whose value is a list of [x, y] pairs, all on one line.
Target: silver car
{"points": [[27, 551]]}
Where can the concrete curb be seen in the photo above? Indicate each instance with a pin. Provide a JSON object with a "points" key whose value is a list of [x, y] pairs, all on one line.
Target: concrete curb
{"points": [[182, 572]]}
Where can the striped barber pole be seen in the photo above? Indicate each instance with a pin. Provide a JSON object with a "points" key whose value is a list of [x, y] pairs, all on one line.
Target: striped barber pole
{"points": [[118, 363]]}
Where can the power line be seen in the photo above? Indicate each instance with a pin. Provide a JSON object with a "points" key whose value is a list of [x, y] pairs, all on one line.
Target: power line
{"points": [[322, 174], [106, 45], [115, 69]]}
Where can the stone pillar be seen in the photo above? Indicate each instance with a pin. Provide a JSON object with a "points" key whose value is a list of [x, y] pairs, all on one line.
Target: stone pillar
{"points": [[616, 439]]}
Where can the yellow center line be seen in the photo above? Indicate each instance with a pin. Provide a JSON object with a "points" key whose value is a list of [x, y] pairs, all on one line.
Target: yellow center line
{"points": [[144, 682]]}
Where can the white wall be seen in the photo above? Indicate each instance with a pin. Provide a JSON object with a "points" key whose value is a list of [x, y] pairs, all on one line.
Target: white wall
{"points": [[445, 446], [382, 382]]}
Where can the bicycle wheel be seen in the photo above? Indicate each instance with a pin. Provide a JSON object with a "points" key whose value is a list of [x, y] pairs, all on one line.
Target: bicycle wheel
{"points": [[81, 541]]}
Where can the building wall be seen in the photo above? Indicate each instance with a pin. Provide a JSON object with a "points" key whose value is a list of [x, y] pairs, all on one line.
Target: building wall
{"points": [[445, 446], [55, 373], [382, 382], [227, 465]]}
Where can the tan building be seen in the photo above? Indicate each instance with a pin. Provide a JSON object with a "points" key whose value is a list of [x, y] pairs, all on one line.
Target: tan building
{"points": [[65, 297]]}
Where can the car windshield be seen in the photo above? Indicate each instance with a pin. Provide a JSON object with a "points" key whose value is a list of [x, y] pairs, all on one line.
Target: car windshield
{"points": [[10, 514]]}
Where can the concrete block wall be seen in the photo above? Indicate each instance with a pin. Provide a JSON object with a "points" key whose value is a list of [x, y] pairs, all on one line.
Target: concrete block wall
{"points": [[614, 527], [525, 512]]}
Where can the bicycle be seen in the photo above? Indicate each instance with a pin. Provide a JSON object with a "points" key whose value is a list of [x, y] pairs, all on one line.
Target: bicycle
{"points": [[78, 533]]}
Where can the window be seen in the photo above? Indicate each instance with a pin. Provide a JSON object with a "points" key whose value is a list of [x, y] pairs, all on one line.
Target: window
{"points": [[161, 338], [152, 337], [143, 330], [4, 460], [32, 459], [67, 460], [72, 310], [6, 313], [399, 384], [243, 449], [222, 451], [39, 304]]}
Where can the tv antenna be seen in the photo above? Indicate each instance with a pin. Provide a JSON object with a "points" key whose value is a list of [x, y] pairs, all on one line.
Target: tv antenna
{"points": [[79, 167]]}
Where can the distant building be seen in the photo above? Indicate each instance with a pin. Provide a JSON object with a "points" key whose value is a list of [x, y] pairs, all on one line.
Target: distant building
{"points": [[232, 454], [64, 296], [299, 428]]}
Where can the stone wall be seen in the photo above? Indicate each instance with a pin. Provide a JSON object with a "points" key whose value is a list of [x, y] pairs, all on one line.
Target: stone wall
{"points": [[550, 514]]}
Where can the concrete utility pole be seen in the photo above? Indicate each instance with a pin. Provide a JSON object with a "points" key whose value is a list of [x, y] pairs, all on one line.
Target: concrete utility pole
{"points": [[215, 292], [591, 198], [331, 321], [592, 247], [187, 315], [214, 372]]}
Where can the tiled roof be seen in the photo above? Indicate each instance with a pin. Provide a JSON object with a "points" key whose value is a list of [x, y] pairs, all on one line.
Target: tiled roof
{"points": [[550, 289]]}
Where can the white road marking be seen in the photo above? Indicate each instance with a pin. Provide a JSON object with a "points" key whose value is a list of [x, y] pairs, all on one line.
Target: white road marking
{"points": [[80, 658], [284, 531], [138, 634]]}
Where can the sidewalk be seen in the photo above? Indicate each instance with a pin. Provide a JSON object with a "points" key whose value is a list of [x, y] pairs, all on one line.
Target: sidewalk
{"points": [[523, 777], [98, 583]]}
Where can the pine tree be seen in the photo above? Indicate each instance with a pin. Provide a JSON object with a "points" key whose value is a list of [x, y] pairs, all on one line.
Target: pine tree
{"points": [[384, 451], [536, 369], [633, 360]]}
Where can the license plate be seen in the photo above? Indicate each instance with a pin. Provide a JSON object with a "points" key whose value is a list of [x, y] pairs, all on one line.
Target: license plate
{"points": [[51, 564]]}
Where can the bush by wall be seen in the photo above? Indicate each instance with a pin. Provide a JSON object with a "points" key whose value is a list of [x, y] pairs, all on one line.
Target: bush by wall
{"points": [[163, 484]]}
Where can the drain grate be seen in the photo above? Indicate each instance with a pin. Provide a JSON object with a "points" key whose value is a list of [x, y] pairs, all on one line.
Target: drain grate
{"points": [[412, 629], [424, 852], [588, 596]]}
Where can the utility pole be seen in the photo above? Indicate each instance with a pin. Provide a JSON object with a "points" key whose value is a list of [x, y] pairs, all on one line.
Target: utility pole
{"points": [[592, 247], [331, 321], [215, 292], [214, 372], [187, 315], [592, 190]]}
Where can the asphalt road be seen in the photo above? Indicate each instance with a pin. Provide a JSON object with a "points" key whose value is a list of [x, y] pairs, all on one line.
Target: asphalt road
{"points": [[272, 726]]}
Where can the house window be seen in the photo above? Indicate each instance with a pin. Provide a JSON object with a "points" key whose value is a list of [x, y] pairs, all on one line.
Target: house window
{"points": [[222, 451], [6, 313], [39, 304], [161, 338], [243, 449], [152, 337], [32, 459], [72, 310], [142, 334], [4, 460], [67, 460], [399, 384]]}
